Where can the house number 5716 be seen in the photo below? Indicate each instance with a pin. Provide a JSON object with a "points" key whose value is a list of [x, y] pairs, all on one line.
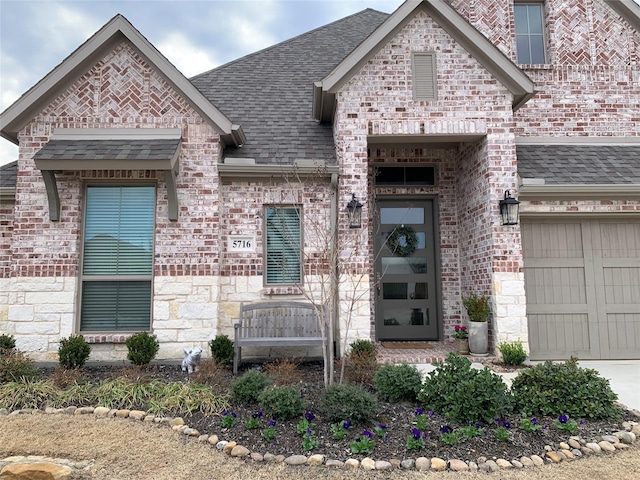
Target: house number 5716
{"points": [[241, 244]]}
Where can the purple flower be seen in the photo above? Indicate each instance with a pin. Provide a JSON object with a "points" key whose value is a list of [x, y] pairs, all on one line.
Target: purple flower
{"points": [[227, 412], [563, 419], [346, 424], [446, 429], [258, 414], [309, 416], [431, 413], [506, 425], [309, 432], [367, 433], [382, 426], [425, 434], [272, 423], [582, 422], [416, 433], [419, 411], [534, 421], [478, 425]]}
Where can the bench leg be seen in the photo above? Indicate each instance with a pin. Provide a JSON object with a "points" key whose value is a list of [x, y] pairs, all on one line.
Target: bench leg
{"points": [[236, 359]]}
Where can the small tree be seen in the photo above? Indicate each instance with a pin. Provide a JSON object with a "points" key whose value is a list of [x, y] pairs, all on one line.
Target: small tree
{"points": [[142, 348]]}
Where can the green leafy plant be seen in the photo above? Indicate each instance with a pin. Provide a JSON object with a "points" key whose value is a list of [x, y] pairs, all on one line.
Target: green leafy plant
{"points": [[142, 348], [305, 423], [247, 388], [269, 433], [347, 401], [363, 444], [381, 430], [222, 349], [15, 365], [477, 307], [7, 343], [566, 424], [309, 440], [449, 436], [281, 402], [529, 424], [397, 383], [254, 421], [553, 389], [73, 352], [474, 429], [512, 352], [502, 434], [229, 419], [340, 429], [464, 394], [417, 439]]}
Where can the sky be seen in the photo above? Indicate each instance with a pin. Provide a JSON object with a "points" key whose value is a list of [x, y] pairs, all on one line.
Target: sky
{"points": [[195, 35]]}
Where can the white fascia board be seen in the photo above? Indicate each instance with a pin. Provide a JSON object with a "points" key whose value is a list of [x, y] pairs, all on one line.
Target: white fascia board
{"points": [[591, 141]]}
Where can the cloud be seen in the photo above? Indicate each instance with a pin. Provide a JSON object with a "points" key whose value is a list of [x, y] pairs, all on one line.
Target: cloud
{"points": [[189, 58]]}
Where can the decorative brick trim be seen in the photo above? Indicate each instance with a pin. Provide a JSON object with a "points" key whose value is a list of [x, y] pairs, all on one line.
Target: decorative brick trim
{"points": [[118, 338]]}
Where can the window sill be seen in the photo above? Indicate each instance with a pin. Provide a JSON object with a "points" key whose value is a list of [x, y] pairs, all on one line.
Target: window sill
{"points": [[283, 290], [107, 338]]}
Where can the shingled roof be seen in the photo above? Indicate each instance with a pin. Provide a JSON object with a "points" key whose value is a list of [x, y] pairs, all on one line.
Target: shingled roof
{"points": [[580, 164], [270, 92], [8, 175]]}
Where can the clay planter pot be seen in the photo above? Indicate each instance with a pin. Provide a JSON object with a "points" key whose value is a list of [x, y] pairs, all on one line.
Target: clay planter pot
{"points": [[462, 346]]}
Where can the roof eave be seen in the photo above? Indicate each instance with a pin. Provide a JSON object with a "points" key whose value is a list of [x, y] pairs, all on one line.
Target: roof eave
{"points": [[115, 31], [498, 64], [538, 191]]}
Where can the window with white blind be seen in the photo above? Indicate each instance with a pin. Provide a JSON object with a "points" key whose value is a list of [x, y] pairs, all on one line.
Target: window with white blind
{"points": [[117, 265], [530, 40], [283, 253]]}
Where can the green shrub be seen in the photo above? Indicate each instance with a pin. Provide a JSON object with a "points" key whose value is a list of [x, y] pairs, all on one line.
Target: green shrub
{"points": [[73, 351], [281, 403], [222, 349], [339, 402], [464, 394], [397, 383], [361, 362], [249, 386], [564, 389], [512, 352], [7, 343], [142, 348], [15, 365]]}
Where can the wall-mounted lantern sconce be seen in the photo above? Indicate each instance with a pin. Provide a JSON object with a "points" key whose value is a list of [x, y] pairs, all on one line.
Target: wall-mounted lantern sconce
{"points": [[509, 209], [354, 208]]}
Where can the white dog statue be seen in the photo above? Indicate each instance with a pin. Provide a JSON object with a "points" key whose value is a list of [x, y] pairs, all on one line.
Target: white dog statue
{"points": [[191, 360]]}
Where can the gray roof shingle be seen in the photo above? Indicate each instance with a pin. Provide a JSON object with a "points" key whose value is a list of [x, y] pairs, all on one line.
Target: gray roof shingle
{"points": [[270, 92], [147, 149], [8, 175], [580, 164]]}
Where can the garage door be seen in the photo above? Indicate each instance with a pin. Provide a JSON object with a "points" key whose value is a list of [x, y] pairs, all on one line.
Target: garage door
{"points": [[582, 280]]}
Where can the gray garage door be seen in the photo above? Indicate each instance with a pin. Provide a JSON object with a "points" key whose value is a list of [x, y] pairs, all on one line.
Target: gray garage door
{"points": [[582, 280]]}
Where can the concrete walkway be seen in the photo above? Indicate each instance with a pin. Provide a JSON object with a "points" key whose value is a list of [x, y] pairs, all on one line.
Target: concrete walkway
{"points": [[623, 376]]}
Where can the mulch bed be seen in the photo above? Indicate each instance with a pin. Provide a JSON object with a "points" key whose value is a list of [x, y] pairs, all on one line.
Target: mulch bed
{"points": [[399, 418]]}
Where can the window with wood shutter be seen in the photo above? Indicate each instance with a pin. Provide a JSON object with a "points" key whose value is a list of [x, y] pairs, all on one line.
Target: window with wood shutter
{"points": [[424, 76], [117, 265], [283, 253]]}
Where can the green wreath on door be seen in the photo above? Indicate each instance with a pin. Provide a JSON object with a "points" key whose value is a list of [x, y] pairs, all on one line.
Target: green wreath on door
{"points": [[402, 241]]}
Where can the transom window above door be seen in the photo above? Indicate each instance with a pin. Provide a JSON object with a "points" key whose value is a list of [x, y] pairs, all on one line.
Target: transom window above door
{"points": [[405, 175]]}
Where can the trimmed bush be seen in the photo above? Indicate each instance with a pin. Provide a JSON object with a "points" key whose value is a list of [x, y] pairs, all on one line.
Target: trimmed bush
{"points": [[281, 403], [142, 348], [564, 389], [222, 349], [512, 352], [7, 343], [15, 365], [361, 361], [397, 383], [464, 394], [339, 402], [249, 386], [73, 351]]}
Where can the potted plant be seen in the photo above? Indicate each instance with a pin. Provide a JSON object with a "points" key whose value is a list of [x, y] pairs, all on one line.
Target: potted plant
{"points": [[461, 334], [477, 307]]}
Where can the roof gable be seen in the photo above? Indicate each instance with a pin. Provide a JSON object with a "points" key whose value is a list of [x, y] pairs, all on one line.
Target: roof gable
{"points": [[498, 64], [114, 32], [627, 9]]}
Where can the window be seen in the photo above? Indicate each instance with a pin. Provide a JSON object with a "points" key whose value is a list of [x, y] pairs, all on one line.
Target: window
{"points": [[405, 176], [424, 76], [529, 33], [117, 265], [283, 245]]}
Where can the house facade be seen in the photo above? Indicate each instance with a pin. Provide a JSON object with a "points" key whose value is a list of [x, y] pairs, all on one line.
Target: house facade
{"points": [[142, 200]]}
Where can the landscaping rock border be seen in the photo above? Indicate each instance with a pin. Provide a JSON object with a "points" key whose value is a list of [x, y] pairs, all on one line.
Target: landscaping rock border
{"points": [[574, 448]]}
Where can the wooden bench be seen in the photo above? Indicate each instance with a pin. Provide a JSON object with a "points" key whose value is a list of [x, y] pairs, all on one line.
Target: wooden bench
{"points": [[275, 324]]}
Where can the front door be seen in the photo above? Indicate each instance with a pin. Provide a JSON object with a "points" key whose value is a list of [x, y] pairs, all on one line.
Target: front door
{"points": [[406, 296]]}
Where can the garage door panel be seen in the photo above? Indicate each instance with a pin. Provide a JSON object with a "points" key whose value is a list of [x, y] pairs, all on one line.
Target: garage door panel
{"points": [[555, 286], [554, 334], [623, 334], [583, 288]]}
